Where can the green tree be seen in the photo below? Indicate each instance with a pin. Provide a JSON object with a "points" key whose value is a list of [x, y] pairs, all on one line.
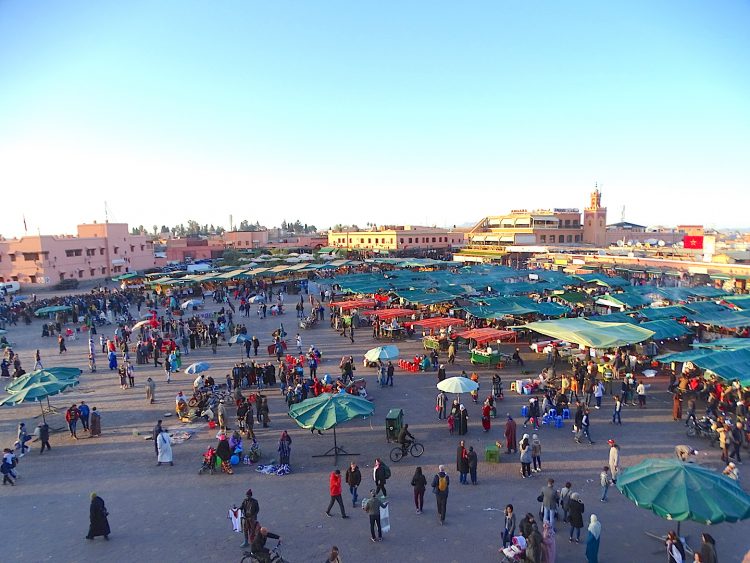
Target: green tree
{"points": [[231, 257]]}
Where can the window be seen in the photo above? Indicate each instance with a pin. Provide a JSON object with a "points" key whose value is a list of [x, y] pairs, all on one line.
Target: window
{"points": [[104, 270], [369, 241], [74, 252], [30, 256], [132, 247], [90, 251], [542, 238], [142, 247], [433, 239], [116, 249], [117, 269], [578, 238], [101, 253], [570, 238], [409, 240], [376, 241], [80, 273], [402, 240], [12, 257], [92, 272], [362, 241]]}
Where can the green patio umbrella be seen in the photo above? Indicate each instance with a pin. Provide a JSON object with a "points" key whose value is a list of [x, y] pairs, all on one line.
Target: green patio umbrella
{"points": [[52, 375], [53, 309], [37, 392], [389, 352], [327, 411], [675, 490]]}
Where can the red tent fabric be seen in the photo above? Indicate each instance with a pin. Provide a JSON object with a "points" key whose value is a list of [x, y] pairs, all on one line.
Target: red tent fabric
{"points": [[484, 335], [388, 314], [353, 304], [438, 322]]}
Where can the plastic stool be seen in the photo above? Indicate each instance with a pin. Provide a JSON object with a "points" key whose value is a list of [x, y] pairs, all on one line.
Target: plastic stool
{"points": [[559, 422], [513, 386], [566, 414], [524, 411]]}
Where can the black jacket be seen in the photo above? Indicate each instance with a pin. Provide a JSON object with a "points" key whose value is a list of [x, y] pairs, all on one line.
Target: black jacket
{"points": [[353, 478], [575, 513]]}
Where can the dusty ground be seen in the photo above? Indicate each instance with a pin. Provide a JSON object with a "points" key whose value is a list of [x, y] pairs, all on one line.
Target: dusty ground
{"points": [[173, 514]]}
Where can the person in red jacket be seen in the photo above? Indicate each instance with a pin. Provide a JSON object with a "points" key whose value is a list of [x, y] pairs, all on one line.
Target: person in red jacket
{"points": [[71, 417], [335, 489]]}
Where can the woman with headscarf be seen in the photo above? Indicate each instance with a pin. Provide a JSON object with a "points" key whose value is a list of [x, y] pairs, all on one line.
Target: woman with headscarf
{"points": [[164, 447], [575, 516], [112, 356], [592, 540], [549, 545], [95, 425], [463, 420], [525, 456], [224, 453], [486, 408], [510, 435], [285, 448], [708, 549], [98, 523]]}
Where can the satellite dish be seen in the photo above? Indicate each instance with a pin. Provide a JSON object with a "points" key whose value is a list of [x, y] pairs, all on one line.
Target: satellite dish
{"points": [[620, 243], [662, 243]]}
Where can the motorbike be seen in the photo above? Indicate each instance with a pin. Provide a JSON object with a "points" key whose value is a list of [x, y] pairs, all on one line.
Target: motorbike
{"points": [[703, 428]]}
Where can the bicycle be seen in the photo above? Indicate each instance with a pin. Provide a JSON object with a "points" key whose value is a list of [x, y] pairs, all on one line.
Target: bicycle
{"points": [[416, 449], [275, 556]]}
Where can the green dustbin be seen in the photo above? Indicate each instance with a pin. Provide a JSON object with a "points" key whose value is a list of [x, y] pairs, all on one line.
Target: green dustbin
{"points": [[393, 423]]}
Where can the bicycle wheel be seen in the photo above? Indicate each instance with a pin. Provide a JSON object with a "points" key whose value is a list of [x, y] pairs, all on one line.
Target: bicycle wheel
{"points": [[691, 429], [417, 449], [248, 557], [396, 454]]}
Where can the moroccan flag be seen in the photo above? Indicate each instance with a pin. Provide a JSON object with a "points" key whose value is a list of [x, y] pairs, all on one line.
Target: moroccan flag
{"points": [[693, 242]]}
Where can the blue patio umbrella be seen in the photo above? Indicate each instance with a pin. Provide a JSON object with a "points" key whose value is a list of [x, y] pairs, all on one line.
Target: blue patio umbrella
{"points": [[198, 367]]}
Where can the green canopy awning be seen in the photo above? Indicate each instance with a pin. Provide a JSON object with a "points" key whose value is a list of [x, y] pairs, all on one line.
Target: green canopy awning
{"points": [[592, 333]]}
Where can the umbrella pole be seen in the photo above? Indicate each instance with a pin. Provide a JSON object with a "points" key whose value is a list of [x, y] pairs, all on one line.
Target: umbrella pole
{"points": [[335, 451], [42, 409]]}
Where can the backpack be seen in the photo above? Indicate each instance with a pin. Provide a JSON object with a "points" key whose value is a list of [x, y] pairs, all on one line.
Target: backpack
{"points": [[386, 471], [442, 483]]}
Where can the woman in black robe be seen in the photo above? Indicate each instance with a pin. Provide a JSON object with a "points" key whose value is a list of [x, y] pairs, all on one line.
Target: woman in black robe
{"points": [[463, 420], [98, 523]]}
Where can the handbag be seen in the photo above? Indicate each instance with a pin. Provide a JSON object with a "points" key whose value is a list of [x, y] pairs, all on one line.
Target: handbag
{"points": [[540, 498]]}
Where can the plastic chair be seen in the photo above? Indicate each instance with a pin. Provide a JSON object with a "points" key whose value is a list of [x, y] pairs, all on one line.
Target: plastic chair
{"points": [[559, 422], [566, 414], [524, 411], [513, 386]]}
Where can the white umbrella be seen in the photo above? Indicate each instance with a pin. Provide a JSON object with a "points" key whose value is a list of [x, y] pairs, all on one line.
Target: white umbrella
{"points": [[458, 385], [190, 303]]}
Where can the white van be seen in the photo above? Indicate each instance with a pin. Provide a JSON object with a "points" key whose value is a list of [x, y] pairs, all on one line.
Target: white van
{"points": [[10, 287]]}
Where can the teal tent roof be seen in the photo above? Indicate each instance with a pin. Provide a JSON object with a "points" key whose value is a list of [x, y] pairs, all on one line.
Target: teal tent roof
{"points": [[658, 313], [666, 328], [592, 333], [727, 364], [614, 318]]}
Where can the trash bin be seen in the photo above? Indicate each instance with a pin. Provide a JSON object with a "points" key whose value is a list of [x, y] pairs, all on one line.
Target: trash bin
{"points": [[393, 423]]}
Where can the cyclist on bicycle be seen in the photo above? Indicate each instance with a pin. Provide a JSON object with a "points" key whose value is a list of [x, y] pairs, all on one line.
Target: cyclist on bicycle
{"points": [[405, 438], [258, 547]]}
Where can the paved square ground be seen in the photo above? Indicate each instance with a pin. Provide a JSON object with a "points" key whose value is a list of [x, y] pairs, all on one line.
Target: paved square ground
{"points": [[172, 514]]}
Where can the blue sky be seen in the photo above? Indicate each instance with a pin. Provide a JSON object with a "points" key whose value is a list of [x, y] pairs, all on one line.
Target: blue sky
{"points": [[390, 112]]}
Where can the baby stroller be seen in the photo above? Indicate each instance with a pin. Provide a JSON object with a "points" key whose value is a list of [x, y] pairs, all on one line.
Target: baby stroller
{"points": [[209, 462]]}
